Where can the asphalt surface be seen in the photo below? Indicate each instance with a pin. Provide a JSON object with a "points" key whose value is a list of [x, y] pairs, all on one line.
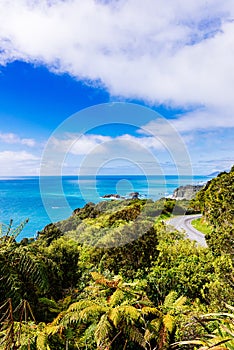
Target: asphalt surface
{"points": [[183, 223]]}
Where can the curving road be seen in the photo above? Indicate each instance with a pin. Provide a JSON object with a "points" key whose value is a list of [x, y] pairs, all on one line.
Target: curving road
{"points": [[183, 223]]}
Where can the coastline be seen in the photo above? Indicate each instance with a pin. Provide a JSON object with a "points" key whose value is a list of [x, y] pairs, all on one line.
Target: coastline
{"points": [[20, 197]]}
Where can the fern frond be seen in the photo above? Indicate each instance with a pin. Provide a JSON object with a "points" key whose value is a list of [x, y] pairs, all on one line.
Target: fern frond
{"points": [[103, 331], [130, 313], [134, 335], [100, 279], [70, 318], [147, 310], [168, 321], [91, 312], [42, 341], [58, 319], [127, 313], [52, 329], [32, 268], [154, 325], [87, 337], [116, 298], [80, 305], [170, 300], [179, 303], [8, 233], [114, 316], [15, 232], [10, 284]]}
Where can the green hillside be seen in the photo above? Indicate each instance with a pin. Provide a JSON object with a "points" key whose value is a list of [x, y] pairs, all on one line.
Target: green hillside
{"points": [[114, 276], [216, 202]]}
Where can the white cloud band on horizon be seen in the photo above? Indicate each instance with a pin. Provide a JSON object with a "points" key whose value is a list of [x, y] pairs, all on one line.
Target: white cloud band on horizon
{"points": [[13, 163]]}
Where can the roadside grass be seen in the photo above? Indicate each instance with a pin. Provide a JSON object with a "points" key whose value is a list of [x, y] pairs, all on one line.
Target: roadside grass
{"points": [[163, 217], [201, 225]]}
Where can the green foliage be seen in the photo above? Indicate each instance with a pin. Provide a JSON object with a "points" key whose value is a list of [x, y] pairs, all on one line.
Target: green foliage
{"points": [[181, 266], [216, 202], [65, 254], [219, 290], [160, 331], [49, 233], [202, 226], [114, 310], [126, 214], [219, 331], [23, 273], [138, 253], [149, 285], [8, 233], [18, 328]]}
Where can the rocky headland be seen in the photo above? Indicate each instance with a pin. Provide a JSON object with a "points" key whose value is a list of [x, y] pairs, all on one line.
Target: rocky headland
{"points": [[186, 192]]}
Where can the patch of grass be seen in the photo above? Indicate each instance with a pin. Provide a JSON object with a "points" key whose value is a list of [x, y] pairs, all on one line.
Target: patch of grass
{"points": [[201, 225], [163, 217]]}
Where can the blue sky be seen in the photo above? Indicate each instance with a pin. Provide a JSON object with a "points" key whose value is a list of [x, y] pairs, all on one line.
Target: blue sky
{"points": [[59, 57]]}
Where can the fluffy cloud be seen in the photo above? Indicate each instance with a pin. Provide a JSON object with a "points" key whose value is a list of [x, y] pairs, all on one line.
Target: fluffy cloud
{"points": [[203, 119], [175, 53], [77, 144], [14, 156], [163, 51], [14, 163], [70, 152], [11, 138], [84, 144]]}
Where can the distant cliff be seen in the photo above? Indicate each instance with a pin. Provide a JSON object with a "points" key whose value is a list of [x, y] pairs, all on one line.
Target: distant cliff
{"points": [[186, 192]]}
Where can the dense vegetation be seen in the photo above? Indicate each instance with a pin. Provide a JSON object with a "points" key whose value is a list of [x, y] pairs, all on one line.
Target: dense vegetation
{"points": [[216, 204], [114, 276]]}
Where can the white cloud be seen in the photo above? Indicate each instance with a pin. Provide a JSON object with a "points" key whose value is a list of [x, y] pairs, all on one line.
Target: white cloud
{"points": [[173, 52], [74, 151], [77, 144], [84, 144], [149, 142], [28, 142], [14, 156], [203, 119], [163, 51], [15, 163], [11, 138]]}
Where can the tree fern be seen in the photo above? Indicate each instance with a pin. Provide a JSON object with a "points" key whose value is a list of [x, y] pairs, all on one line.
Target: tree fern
{"points": [[32, 268], [222, 335], [19, 329], [23, 273], [160, 329], [8, 234], [135, 335], [116, 298], [104, 332], [114, 316], [217, 330]]}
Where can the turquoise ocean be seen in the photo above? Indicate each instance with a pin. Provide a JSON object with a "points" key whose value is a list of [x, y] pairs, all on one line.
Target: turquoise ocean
{"points": [[51, 199]]}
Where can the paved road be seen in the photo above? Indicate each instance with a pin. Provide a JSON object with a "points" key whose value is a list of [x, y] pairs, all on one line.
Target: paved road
{"points": [[183, 223]]}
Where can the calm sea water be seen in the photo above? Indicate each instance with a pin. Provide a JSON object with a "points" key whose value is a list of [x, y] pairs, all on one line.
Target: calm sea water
{"points": [[52, 199]]}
